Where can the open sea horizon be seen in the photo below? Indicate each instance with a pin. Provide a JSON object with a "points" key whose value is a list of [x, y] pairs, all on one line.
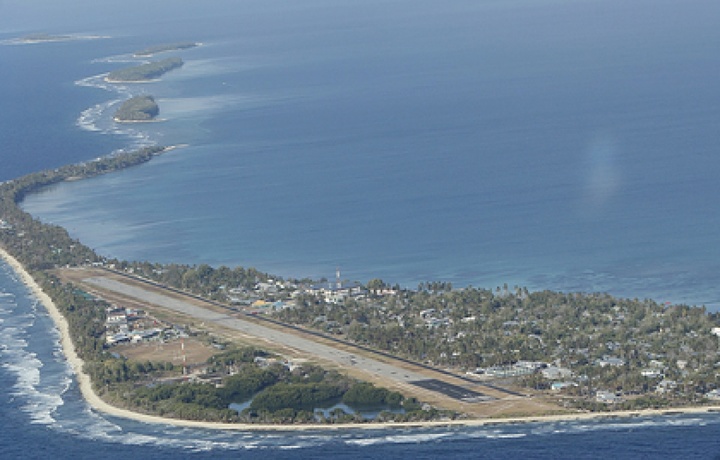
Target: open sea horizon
{"points": [[556, 144]]}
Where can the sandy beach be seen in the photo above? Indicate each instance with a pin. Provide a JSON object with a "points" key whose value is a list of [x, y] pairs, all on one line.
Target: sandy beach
{"points": [[123, 82], [99, 405], [154, 120]]}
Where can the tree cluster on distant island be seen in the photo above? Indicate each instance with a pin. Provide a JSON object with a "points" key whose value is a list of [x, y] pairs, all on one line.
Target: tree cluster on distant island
{"points": [[42, 37], [138, 108], [152, 50], [145, 72]]}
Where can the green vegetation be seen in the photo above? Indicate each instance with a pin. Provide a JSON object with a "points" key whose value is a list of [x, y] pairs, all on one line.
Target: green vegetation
{"points": [[145, 72], [45, 38], [151, 50], [279, 394], [202, 279], [366, 394], [646, 354], [41, 246], [138, 108]]}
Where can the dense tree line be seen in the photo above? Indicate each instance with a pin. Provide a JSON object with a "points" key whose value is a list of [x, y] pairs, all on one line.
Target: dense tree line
{"points": [[277, 394], [85, 316], [367, 394], [150, 50], [145, 71], [471, 328], [201, 279], [137, 108]]}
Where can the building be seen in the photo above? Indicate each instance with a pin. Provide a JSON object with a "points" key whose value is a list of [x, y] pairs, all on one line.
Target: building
{"points": [[608, 397], [559, 386], [556, 373], [652, 373], [336, 292], [610, 361], [666, 386]]}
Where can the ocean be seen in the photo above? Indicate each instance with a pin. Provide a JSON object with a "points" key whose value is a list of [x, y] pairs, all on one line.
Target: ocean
{"points": [[556, 144]]}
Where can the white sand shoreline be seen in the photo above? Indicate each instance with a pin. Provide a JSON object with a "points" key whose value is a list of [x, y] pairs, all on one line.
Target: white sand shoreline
{"points": [[98, 404], [152, 120], [132, 82]]}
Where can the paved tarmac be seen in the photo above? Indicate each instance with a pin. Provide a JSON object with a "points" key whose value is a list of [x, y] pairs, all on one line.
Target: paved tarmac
{"points": [[250, 328]]}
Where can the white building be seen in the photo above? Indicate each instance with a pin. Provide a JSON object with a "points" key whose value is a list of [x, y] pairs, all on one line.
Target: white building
{"points": [[610, 361], [652, 373], [556, 373], [607, 397]]}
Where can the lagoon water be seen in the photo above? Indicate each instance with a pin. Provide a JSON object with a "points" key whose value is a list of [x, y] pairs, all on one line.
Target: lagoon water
{"points": [[560, 145], [557, 144]]}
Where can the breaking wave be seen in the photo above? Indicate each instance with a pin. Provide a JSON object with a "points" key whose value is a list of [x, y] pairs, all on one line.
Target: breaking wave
{"points": [[46, 393], [99, 118]]}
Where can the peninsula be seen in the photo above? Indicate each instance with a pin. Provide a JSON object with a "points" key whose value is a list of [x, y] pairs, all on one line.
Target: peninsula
{"points": [[144, 72], [137, 109]]}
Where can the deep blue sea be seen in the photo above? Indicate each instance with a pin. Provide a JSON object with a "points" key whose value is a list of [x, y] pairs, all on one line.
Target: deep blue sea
{"points": [[561, 144]]}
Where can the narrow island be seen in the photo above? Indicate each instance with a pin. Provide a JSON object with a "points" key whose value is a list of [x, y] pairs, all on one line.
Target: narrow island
{"points": [[137, 109], [144, 72], [153, 50], [431, 355], [39, 38]]}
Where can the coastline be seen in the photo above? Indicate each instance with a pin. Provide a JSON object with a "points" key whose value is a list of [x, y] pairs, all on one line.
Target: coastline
{"points": [[152, 120], [51, 39], [110, 80], [96, 403]]}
